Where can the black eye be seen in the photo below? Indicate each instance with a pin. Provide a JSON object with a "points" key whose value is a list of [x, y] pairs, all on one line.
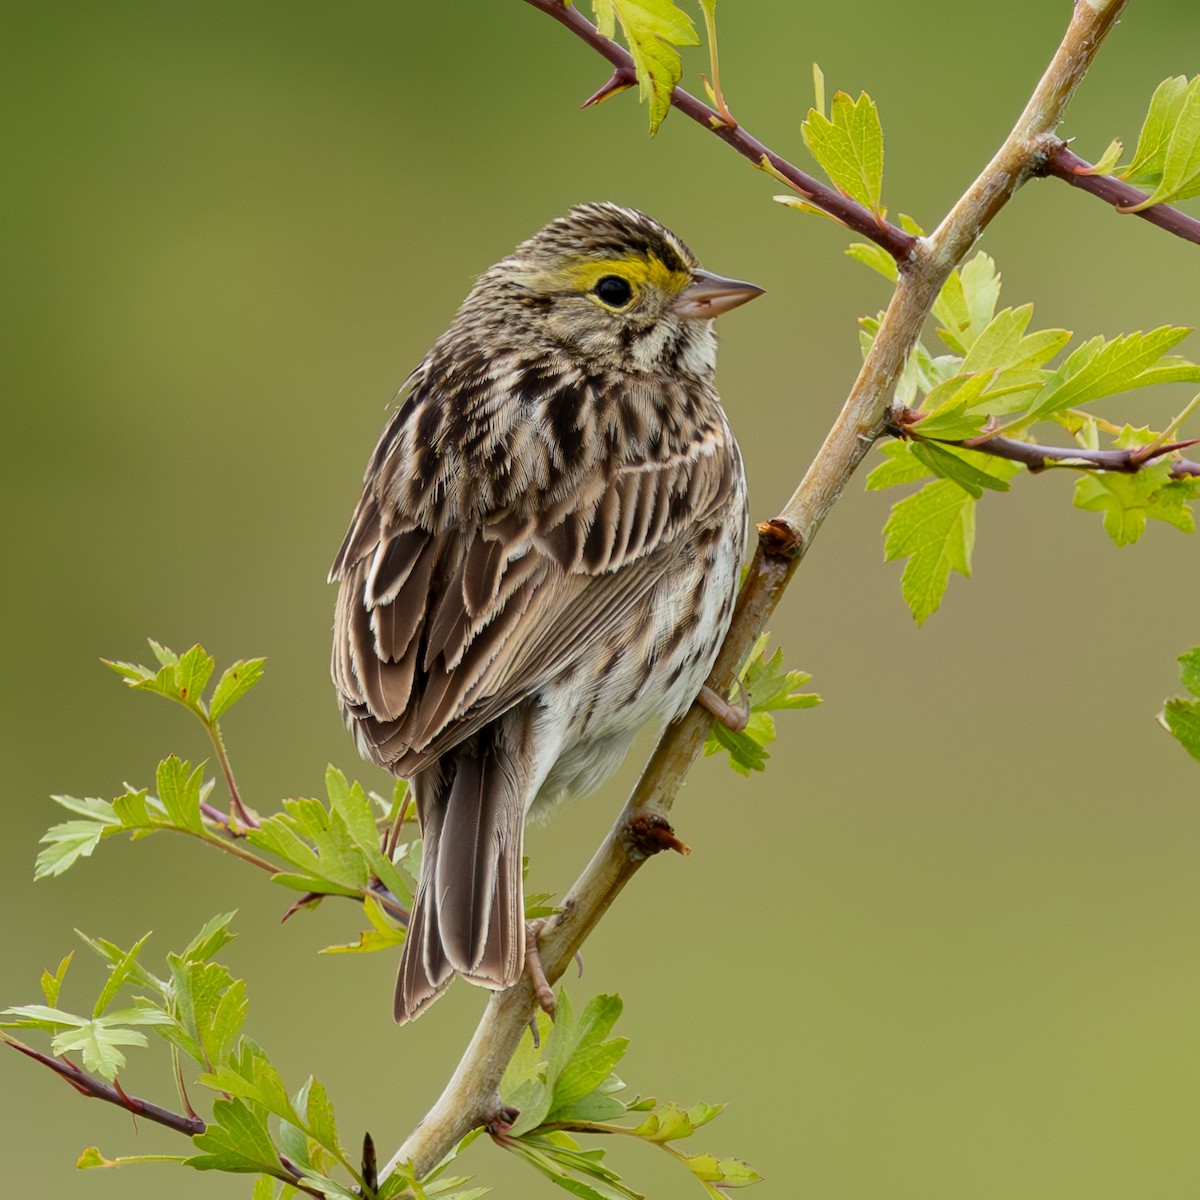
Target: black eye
{"points": [[613, 291]]}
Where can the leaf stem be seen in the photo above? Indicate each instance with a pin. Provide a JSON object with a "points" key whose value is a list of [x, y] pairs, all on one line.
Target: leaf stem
{"points": [[229, 846], [214, 733]]}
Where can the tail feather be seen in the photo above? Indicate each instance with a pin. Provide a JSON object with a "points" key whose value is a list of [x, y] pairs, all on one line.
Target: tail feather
{"points": [[468, 913], [425, 972], [502, 956]]}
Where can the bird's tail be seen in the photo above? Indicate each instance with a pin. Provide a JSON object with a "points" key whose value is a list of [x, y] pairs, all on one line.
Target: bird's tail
{"points": [[468, 913]]}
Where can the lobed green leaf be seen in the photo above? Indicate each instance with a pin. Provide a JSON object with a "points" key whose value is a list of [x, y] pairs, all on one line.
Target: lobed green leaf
{"points": [[1127, 502], [848, 144], [935, 530], [234, 683]]}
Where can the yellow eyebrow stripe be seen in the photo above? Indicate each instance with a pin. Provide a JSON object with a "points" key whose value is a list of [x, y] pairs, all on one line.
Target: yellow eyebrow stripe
{"points": [[639, 271]]}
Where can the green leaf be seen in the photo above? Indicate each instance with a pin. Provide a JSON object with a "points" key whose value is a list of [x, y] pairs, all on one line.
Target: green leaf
{"points": [[768, 687], [1127, 502], [875, 257], [52, 984], [1106, 164], [384, 933], [91, 1157], [210, 1007], [213, 936], [848, 144], [353, 806], [234, 683], [1149, 157], [722, 1172], [1182, 720], [935, 530], [112, 953], [180, 677], [1003, 346], [1102, 368], [179, 791], [96, 1039], [1189, 672], [237, 1139], [317, 842], [967, 303], [321, 1123], [902, 466], [1180, 178], [652, 29], [117, 976], [66, 843], [192, 673], [955, 465]]}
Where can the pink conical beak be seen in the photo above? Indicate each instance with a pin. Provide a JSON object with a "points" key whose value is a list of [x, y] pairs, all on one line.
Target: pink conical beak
{"points": [[710, 295]]}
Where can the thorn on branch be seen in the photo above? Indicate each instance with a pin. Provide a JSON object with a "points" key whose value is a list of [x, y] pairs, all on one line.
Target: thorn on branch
{"points": [[620, 80], [308, 900]]}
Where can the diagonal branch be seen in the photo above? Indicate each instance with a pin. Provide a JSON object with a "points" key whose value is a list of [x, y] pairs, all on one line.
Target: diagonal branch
{"points": [[87, 1085], [470, 1098], [849, 212], [1064, 164]]}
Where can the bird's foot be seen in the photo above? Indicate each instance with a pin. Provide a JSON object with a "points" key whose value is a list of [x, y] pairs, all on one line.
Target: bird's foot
{"points": [[543, 992], [732, 715]]}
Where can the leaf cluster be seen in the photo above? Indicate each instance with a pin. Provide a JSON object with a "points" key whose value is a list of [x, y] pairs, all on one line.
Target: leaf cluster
{"points": [[562, 1081], [345, 845], [767, 687], [1167, 156], [199, 1008], [998, 379]]}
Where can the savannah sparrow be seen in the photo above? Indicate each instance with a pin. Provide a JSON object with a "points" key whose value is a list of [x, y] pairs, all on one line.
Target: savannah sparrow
{"points": [[544, 558]]}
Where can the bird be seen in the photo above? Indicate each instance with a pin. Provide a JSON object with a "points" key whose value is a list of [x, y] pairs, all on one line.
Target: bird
{"points": [[544, 559]]}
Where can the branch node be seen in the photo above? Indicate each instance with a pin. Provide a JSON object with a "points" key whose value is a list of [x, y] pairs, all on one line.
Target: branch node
{"points": [[650, 833], [500, 1117], [780, 539]]}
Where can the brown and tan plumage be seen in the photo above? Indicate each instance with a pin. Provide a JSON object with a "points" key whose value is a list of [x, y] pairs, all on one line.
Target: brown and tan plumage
{"points": [[544, 558]]}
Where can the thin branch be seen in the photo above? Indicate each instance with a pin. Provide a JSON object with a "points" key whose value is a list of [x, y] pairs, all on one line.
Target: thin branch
{"points": [[471, 1097], [853, 215], [99, 1090], [1064, 164], [1039, 458]]}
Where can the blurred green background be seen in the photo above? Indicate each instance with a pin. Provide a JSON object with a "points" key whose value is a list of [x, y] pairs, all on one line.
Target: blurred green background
{"points": [[947, 946]]}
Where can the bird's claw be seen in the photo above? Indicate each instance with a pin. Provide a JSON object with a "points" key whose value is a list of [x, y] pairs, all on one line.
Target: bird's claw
{"points": [[734, 716], [542, 991]]}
